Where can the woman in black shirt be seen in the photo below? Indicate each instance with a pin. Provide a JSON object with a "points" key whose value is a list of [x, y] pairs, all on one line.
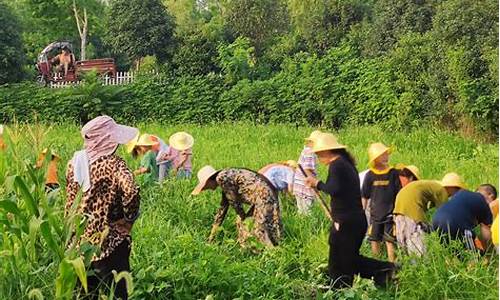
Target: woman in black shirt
{"points": [[349, 221]]}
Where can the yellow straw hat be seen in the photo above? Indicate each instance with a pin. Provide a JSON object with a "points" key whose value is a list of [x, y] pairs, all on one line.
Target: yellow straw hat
{"points": [[146, 140], [326, 141], [181, 141], [203, 175], [452, 180], [313, 136], [375, 150], [129, 147], [413, 169], [291, 163]]}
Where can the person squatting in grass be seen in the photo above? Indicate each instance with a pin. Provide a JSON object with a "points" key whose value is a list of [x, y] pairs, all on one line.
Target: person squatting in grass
{"points": [[181, 154], [51, 178], [305, 195], [145, 147], [457, 218], [281, 175], [110, 200], [160, 147], [349, 221], [381, 185], [412, 203], [239, 187]]}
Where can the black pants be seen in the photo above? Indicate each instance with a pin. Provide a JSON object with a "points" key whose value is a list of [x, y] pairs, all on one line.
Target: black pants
{"points": [[345, 260], [103, 278]]}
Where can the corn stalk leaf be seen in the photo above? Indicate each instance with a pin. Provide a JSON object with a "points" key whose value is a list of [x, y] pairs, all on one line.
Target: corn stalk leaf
{"points": [[128, 280], [49, 238], [79, 267]]}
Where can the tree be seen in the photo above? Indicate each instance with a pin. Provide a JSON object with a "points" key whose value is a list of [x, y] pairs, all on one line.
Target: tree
{"points": [[323, 24], [138, 28], [393, 18], [11, 47], [259, 21], [82, 25]]}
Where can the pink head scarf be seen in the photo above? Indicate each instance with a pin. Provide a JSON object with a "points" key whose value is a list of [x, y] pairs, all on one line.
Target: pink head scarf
{"points": [[102, 135]]}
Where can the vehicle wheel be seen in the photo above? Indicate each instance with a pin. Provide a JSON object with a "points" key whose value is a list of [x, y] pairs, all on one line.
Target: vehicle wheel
{"points": [[41, 80]]}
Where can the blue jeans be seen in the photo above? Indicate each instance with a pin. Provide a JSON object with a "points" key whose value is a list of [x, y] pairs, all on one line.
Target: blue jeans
{"points": [[164, 170], [183, 174]]}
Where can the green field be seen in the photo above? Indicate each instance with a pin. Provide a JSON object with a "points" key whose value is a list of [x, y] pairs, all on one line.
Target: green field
{"points": [[170, 255]]}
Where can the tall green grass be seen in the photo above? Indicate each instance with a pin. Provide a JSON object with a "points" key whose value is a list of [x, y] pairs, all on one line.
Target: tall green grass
{"points": [[170, 255]]}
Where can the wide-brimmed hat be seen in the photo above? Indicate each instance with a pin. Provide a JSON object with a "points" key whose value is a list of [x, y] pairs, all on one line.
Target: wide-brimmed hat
{"points": [[146, 139], [129, 147], [203, 175], [452, 179], [375, 150], [119, 134], [413, 169], [181, 141], [313, 136], [291, 163], [326, 141]]}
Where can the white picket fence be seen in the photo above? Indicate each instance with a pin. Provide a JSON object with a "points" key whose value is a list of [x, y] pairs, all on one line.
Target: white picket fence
{"points": [[119, 79]]}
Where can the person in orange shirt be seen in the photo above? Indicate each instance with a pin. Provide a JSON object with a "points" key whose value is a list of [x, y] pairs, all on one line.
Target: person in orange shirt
{"points": [[51, 179], [2, 143]]}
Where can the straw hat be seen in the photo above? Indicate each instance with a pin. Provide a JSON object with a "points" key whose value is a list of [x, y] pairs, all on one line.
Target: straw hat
{"points": [[375, 150], [313, 136], [146, 140], [413, 169], [291, 163], [452, 180], [326, 141], [181, 141], [203, 175], [129, 147]]}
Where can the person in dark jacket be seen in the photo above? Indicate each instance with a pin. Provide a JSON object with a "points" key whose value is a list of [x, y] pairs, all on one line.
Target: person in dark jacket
{"points": [[349, 222]]}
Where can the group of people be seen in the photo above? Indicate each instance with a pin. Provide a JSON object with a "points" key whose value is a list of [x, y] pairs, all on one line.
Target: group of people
{"points": [[387, 204], [159, 159]]}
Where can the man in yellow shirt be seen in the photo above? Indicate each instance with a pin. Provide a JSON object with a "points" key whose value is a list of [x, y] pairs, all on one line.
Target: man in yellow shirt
{"points": [[412, 202]]}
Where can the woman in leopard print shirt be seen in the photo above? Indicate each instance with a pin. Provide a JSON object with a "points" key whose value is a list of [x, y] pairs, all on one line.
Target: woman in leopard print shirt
{"points": [[110, 199]]}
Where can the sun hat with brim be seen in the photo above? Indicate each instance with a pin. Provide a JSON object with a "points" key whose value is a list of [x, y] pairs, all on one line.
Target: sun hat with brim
{"points": [[146, 140], [181, 141], [129, 147], [313, 136], [120, 134], [291, 163], [413, 169], [376, 150], [452, 180], [326, 141], [203, 175]]}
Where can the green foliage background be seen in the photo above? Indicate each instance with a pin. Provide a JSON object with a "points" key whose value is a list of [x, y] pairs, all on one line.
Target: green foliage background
{"points": [[335, 63]]}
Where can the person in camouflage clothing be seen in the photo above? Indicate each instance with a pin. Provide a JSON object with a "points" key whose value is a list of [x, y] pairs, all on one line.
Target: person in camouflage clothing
{"points": [[239, 187]]}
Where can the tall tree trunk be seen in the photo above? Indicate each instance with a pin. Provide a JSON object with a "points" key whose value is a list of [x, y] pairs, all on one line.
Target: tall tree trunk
{"points": [[82, 25]]}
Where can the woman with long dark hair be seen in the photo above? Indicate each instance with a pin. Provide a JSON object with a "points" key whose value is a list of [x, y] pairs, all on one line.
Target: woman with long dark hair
{"points": [[349, 221]]}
